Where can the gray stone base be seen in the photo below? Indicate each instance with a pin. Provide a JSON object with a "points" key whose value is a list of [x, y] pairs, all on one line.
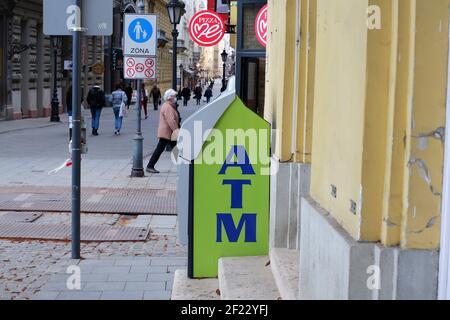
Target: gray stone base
{"points": [[335, 266], [194, 289], [288, 186], [247, 278], [284, 265]]}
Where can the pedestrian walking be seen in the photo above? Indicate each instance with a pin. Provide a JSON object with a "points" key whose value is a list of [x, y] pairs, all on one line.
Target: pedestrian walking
{"points": [[96, 100], [208, 94], [198, 94], [129, 92], [156, 96], [168, 127], [119, 101], [186, 94], [69, 109], [144, 99]]}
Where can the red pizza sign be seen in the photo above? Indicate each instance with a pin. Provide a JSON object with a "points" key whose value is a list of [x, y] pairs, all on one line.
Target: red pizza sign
{"points": [[261, 26], [206, 28]]}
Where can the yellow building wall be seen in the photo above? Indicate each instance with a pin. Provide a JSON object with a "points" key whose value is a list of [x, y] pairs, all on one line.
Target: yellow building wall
{"points": [[279, 77], [306, 72], [339, 99], [413, 179], [370, 111], [378, 119], [163, 55], [371, 145], [233, 21], [421, 223]]}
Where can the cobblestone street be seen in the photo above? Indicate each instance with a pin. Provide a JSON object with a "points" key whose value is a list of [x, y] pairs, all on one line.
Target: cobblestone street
{"points": [[36, 269]]}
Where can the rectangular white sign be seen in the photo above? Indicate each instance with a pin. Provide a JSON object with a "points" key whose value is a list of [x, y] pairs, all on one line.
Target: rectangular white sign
{"points": [[140, 68], [140, 33], [96, 17]]}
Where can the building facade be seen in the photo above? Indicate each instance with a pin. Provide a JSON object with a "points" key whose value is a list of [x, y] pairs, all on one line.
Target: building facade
{"points": [[356, 93], [26, 66], [189, 53], [27, 62], [164, 51]]}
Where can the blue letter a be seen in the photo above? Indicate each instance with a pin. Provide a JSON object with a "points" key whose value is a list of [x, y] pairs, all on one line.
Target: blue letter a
{"points": [[242, 161], [233, 233]]}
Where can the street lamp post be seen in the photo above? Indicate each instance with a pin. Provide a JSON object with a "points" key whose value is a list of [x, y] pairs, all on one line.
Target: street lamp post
{"points": [[138, 157], [224, 59], [175, 9], [55, 103]]}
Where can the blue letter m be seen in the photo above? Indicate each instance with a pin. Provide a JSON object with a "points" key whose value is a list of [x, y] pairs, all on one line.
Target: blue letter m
{"points": [[233, 233]]}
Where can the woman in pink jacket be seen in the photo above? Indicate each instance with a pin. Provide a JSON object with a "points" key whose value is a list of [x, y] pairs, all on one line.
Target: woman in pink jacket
{"points": [[168, 124]]}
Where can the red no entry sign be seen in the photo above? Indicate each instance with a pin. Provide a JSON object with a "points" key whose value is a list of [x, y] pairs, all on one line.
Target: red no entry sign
{"points": [[149, 63], [261, 26], [130, 62], [206, 28], [140, 68], [149, 73], [131, 73]]}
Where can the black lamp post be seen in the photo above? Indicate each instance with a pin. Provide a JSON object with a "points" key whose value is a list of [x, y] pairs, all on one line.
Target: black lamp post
{"points": [[175, 9], [55, 102], [224, 55]]}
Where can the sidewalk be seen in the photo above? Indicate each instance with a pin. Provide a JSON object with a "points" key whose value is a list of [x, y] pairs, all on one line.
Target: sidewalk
{"points": [[31, 269], [31, 148], [109, 270], [108, 162]]}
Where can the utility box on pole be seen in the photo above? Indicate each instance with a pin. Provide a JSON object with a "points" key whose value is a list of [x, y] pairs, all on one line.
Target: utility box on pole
{"points": [[224, 184]]}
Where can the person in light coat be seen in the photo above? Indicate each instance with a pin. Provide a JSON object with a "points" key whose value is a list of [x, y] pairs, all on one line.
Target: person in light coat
{"points": [[119, 101], [168, 127]]}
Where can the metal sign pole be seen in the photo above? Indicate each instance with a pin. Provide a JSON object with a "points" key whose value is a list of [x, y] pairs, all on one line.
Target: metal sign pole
{"points": [[138, 157], [64, 18], [76, 142]]}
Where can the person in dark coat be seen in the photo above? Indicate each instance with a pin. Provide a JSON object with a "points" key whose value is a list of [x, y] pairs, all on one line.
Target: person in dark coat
{"points": [[208, 94], [198, 94], [144, 99], [96, 100], [186, 94], [69, 101], [156, 96], [129, 93], [69, 109]]}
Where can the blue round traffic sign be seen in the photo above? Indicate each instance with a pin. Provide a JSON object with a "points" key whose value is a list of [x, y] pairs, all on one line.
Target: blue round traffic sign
{"points": [[140, 30]]}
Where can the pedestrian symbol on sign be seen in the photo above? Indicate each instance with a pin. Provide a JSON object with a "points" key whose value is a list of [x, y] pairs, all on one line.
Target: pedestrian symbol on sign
{"points": [[140, 30]]}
